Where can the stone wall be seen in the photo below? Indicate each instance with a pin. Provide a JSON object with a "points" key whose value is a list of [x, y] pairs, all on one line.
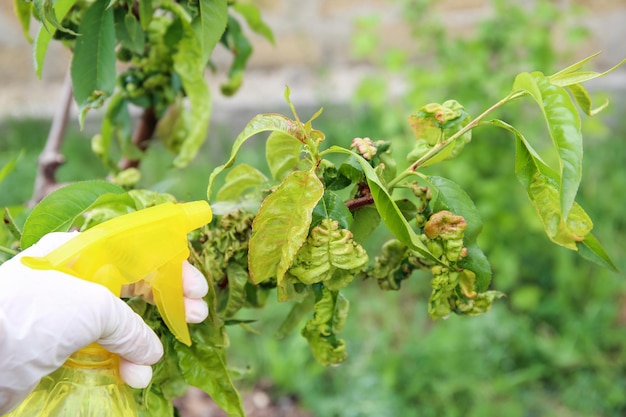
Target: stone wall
{"points": [[312, 53]]}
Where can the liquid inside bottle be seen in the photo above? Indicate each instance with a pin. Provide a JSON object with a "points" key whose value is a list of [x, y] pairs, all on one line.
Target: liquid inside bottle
{"points": [[87, 385]]}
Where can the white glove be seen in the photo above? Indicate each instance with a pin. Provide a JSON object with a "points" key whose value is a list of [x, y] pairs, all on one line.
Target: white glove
{"points": [[45, 316]]}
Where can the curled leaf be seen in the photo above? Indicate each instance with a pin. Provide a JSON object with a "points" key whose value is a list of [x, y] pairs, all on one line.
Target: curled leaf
{"points": [[329, 255], [329, 317]]}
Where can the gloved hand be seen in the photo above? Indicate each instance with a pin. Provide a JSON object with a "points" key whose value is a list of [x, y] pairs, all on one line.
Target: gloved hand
{"points": [[45, 316]]}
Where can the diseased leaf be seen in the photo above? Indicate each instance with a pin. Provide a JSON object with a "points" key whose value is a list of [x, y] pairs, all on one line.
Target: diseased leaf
{"points": [[282, 225], [329, 317], [260, 123], [189, 65], [236, 297], [282, 152], [58, 211], [330, 256], [93, 65], [388, 210], [542, 186], [447, 195], [242, 178], [565, 130]]}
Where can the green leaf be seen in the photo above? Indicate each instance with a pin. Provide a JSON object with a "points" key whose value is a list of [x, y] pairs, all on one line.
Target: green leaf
{"points": [[204, 366], [253, 18], [146, 10], [22, 10], [128, 30], [58, 211], [260, 123], [295, 316], [366, 220], [571, 75], [387, 208], [241, 179], [351, 169], [331, 207], [574, 67], [115, 123], [236, 40], [46, 9], [210, 25], [93, 65], [591, 249], [11, 225], [282, 152], [584, 100], [189, 65], [10, 166], [282, 225], [565, 130], [44, 35], [542, 186], [447, 195]]}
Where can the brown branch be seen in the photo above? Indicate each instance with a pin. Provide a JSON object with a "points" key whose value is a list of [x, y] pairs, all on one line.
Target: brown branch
{"points": [[51, 158], [357, 203], [363, 198], [142, 136]]}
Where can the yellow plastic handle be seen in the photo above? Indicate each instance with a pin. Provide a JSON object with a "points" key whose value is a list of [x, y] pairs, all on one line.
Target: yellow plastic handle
{"points": [[148, 244]]}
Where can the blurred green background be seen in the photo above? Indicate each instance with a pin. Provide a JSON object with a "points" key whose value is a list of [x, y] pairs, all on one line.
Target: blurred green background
{"points": [[555, 346]]}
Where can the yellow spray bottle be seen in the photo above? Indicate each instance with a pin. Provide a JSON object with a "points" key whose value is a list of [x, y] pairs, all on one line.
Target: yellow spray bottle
{"points": [[149, 244]]}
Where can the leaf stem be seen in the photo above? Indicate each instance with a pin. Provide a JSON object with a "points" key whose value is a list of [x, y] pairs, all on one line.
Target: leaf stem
{"points": [[8, 251], [442, 145]]}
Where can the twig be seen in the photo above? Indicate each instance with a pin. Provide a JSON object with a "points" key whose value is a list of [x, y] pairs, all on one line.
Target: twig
{"points": [[363, 198], [51, 158], [141, 138], [359, 202]]}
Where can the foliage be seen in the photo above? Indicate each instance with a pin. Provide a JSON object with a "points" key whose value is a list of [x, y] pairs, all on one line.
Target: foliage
{"points": [[302, 231]]}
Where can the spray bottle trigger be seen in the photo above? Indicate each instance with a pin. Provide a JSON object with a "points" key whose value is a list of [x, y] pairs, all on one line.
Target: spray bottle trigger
{"points": [[167, 287]]}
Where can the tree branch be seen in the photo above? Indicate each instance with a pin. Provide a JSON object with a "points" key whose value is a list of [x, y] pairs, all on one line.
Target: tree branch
{"points": [[142, 136], [51, 158], [363, 198], [357, 203]]}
